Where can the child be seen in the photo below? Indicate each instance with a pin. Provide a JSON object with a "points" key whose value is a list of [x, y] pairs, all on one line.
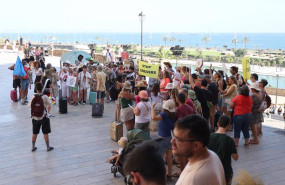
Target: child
{"points": [[224, 147], [122, 142]]}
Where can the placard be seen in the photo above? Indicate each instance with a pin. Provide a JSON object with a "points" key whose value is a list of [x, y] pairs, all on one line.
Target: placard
{"points": [[199, 63], [71, 81], [245, 68], [150, 70]]}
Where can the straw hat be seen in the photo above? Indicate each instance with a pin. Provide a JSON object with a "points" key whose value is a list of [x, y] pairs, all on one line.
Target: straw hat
{"points": [[191, 94], [169, 86], [143, 94], [127, 85], [255, 86], [141, 83], [169, 105]]}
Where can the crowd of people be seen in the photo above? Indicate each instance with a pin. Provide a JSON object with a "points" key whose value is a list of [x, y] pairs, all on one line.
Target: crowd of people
{"points": [[193, 110]]}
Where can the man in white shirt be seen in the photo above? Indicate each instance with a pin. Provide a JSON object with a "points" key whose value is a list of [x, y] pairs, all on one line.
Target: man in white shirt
{"points": [[64, 87], [190, 137], [108, 56], [83, 78]]}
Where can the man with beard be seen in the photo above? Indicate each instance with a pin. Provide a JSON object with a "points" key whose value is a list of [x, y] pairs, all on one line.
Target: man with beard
{"points": [[190, 137]]}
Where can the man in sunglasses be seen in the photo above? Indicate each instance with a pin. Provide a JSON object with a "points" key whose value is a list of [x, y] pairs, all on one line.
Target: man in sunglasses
{"points": [[191, 135]]}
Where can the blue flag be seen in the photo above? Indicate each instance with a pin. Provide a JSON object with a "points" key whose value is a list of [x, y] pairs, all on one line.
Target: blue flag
{"points": [[19, 69]]}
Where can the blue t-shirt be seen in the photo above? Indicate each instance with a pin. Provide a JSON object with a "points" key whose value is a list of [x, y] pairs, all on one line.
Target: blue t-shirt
{"points": [[165, 126]]}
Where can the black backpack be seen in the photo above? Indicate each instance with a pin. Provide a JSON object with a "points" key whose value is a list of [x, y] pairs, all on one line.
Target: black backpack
{"points": [[114, 93]]}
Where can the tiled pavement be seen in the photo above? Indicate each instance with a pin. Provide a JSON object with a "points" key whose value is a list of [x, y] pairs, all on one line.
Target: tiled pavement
{"points": [[82, 145]]}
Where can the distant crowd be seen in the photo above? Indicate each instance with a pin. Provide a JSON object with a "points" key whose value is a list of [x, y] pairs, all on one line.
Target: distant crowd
{"points": [[192, 110]]}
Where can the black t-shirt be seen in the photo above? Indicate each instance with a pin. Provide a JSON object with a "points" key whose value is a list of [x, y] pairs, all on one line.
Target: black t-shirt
{"points": [[203, 100], [213, 88], [224, 147]]}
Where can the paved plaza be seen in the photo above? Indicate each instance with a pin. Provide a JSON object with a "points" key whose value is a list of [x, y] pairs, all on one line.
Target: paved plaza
{"points": [[82, 145]]}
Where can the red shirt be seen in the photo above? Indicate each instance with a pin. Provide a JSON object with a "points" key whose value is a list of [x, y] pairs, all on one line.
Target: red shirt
{"points": [[243, 104], [27, 69], [125, 55], [183, 111], [163, 84], [190, 103]]}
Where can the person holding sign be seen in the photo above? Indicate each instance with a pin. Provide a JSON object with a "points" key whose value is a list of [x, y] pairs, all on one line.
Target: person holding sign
{"points": [[83, 79], [165, 80]]}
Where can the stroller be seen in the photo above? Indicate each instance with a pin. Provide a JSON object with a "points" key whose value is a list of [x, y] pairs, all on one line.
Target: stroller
{"points": [[135, 137]]}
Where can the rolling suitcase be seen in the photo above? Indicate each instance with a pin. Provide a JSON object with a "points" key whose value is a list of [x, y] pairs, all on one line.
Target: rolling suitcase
{"points": [[62, 105], [92, 97], [97, 109], [13, 95], [116, 131]]}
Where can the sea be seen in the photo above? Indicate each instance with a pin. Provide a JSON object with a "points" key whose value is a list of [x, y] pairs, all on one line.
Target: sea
{"points": [[216, 40]]}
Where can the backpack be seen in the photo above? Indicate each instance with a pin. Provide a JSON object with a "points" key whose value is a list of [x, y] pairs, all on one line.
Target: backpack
{"points": [[37, 106], [114, 93], [267, 99]]}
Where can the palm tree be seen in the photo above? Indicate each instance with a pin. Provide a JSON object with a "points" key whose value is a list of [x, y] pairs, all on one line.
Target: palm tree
{"points": [[165, 39], [206, 40], [180, 41], [235, 41], [97, 38], [163, 54], [172, 39], [245, 40]]}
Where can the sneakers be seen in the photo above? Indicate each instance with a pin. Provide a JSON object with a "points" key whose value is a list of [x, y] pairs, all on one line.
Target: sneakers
{"points": [[50, 115], [50, 149]]}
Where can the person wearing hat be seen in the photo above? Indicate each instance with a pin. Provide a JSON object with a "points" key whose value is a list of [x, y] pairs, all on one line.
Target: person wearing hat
{"points": [[256, 116], [83, 79], [89, 64], [126, 96], [64, 87], [169, 88], [142, 112], [66, 63], [141, 85], [196, 103], [101, 88], [166, 123]]}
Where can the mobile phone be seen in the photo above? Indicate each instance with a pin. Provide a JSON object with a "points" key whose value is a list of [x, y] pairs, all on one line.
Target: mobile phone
{"points": [[130, 105]]}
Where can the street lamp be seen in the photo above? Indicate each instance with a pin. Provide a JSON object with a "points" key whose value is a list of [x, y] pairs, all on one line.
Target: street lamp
{"points": [[141, 15]]}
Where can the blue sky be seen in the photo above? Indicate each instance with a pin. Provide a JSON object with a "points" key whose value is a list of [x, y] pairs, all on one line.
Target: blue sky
{"points": [[161, 16]]}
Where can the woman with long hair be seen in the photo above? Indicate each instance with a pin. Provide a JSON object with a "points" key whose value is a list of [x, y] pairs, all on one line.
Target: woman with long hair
{"points": [[155, 94], [39, 73], [126, 99], [229, 93], [163, 83], [166, 123], [118, 88]]}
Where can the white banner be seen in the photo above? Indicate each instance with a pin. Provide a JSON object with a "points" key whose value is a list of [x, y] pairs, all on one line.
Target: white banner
{"points": [[70, 81]]}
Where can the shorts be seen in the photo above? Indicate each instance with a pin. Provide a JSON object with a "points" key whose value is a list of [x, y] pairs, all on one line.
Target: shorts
{"points": [[16, 83], [65, 92], [127, 114], [100, 94], [74, 89], [165, 144], [44, 123], [25, 84], [83, 86]]}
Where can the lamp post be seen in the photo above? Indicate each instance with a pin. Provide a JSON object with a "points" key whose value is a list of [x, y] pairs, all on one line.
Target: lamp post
{"points": [[141, 15], [276, 91]]}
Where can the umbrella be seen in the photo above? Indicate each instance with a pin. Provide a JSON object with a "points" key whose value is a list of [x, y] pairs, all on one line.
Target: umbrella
{"points": [[72, 56]]}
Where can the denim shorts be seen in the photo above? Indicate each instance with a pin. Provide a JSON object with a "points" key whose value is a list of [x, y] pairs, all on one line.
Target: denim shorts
{"points": [[241, 123], [165, 144], [25, 84]]}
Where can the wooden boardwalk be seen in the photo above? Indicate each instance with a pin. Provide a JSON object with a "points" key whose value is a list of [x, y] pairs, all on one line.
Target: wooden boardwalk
{"points": [[82, 145]]}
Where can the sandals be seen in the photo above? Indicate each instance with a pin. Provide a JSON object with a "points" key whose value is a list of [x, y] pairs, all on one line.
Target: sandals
{"points": [[253, 142], [246, 145], [169, 177]]}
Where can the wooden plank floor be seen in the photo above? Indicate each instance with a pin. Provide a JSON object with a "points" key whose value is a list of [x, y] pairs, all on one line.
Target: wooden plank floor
{"points": [[82, 145]]}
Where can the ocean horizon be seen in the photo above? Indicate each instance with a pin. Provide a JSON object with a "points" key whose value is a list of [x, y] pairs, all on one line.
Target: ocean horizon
{"points": [[217, 40]]}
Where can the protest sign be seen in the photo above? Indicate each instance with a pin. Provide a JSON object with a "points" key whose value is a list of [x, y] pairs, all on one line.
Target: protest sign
{"points": [[70, 81], [150, 70], [245, 68]]}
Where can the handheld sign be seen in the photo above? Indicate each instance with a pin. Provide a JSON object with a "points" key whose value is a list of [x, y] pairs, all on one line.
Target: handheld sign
{"points": [[245, 68], [150, 70], [224, 68], [199, 63]]}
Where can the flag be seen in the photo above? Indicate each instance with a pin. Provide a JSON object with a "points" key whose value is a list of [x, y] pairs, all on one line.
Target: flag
{"points": [[19, 69]]}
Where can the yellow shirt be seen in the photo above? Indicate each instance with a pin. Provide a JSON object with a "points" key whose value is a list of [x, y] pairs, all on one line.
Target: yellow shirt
{"points": [[101, 80]]}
